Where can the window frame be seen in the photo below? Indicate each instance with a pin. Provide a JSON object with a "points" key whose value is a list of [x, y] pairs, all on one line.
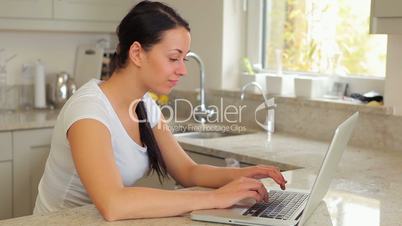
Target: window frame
{"points": [[255, 41]]}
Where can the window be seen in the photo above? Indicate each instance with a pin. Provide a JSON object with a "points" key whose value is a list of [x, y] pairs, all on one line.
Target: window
{"points": [[320, 36]]}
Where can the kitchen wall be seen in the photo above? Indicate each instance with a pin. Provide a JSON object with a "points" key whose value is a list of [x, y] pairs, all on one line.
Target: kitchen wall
{"points": [[217, 29], [205, 19], [377, 128], [218, 36], [56, 50], [393, 81], [218, 33], [233, 43]]}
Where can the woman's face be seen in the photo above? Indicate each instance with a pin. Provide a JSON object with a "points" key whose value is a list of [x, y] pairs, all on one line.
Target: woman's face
{"points": [[164, 62]]}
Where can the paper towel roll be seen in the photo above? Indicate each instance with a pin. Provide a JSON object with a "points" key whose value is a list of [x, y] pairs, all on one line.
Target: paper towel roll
{"points": [[40, 84]]}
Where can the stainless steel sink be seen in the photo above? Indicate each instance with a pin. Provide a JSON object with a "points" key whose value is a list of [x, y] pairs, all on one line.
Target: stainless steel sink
{"points": [[210, 134]]}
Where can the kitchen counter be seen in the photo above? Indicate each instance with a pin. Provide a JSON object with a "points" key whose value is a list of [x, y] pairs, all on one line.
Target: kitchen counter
{"points": [[34, 119], [89, 215], [367, 189]]}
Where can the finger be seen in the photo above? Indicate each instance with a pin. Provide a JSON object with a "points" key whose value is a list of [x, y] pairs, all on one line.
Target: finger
{"points": [[262, 191], [250, 184], [255, 185], [277, 176], [279, 182], [253, 194]]}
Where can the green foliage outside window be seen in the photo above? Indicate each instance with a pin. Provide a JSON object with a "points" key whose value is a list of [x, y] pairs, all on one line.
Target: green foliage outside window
{"points": [[324, 36]]}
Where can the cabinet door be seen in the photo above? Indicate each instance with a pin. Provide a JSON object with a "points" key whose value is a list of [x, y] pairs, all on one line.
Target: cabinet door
{"points": [[37, 163], [31, 148], [386, 8], [39, 9], [92, 10], [5, 190], [6, 146]]}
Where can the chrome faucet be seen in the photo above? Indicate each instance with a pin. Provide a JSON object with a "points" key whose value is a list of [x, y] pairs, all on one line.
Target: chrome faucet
{"points": [[269, 104], [201, 112]]}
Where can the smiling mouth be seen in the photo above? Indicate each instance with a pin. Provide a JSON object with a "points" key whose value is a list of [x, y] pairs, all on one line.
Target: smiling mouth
{"points": [[173, 82]]}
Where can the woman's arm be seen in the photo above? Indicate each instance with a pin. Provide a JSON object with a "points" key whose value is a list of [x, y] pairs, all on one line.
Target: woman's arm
{"points": [[186, 172], [92, 153]]}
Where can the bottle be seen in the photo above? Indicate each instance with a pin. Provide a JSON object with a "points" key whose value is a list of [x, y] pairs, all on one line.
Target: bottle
{"points": [[40, 85]]}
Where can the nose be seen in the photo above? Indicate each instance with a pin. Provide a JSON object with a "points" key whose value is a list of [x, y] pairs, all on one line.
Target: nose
{"points": [[182, 70]]}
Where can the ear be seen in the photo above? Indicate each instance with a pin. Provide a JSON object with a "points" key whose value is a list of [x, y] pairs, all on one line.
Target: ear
{"points": [[135, 54]]}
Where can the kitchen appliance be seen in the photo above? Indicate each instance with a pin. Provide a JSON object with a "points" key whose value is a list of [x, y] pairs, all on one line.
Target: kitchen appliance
{"points": [[88, 63], [62, 88]]}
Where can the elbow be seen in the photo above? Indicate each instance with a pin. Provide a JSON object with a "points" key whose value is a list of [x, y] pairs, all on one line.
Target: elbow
{"points": [[109, 215], [109, 210]]}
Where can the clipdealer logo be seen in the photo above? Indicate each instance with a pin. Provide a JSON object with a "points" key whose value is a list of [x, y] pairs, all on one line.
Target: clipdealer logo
{"points": [[225, 114], [263, 125]]}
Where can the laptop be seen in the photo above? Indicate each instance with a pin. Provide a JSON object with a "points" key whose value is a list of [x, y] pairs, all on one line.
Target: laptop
{"points": [[290, 207]]}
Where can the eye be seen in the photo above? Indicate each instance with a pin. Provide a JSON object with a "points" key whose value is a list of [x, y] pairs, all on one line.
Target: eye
{"points": [[185, 59], [173, 59]]}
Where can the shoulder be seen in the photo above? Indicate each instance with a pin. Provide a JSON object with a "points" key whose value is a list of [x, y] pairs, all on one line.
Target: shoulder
{"points": [[87, 103]]}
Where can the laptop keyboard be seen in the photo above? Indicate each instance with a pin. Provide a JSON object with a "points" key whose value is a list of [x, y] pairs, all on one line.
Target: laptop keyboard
{"points": [[281, 205]]}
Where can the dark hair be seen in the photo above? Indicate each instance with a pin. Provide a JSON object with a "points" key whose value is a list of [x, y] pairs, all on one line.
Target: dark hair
{"points": [[145, 23]]}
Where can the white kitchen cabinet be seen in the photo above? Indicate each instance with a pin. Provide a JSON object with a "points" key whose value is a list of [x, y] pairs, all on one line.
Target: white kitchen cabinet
{"points": [[6, 175], [386, 8], [38, 9], [31, 149], [386, 17], [92, 10], [63, 15], [6, 146], [6, 190], [37, 166]]}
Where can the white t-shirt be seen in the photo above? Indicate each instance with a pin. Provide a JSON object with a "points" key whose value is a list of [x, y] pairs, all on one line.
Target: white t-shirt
{"points": [[60, 186]]}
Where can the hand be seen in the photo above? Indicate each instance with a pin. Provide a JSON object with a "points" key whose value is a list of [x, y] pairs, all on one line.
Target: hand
{"points": [[262, 171], [237, 190]]}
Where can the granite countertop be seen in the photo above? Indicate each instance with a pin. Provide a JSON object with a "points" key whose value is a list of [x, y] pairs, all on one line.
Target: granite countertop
{"points": [[365, 191], [367, 188], [33, 119]]}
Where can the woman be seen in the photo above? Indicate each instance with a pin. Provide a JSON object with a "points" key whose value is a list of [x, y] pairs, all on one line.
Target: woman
{"points": [[106, 136]]}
